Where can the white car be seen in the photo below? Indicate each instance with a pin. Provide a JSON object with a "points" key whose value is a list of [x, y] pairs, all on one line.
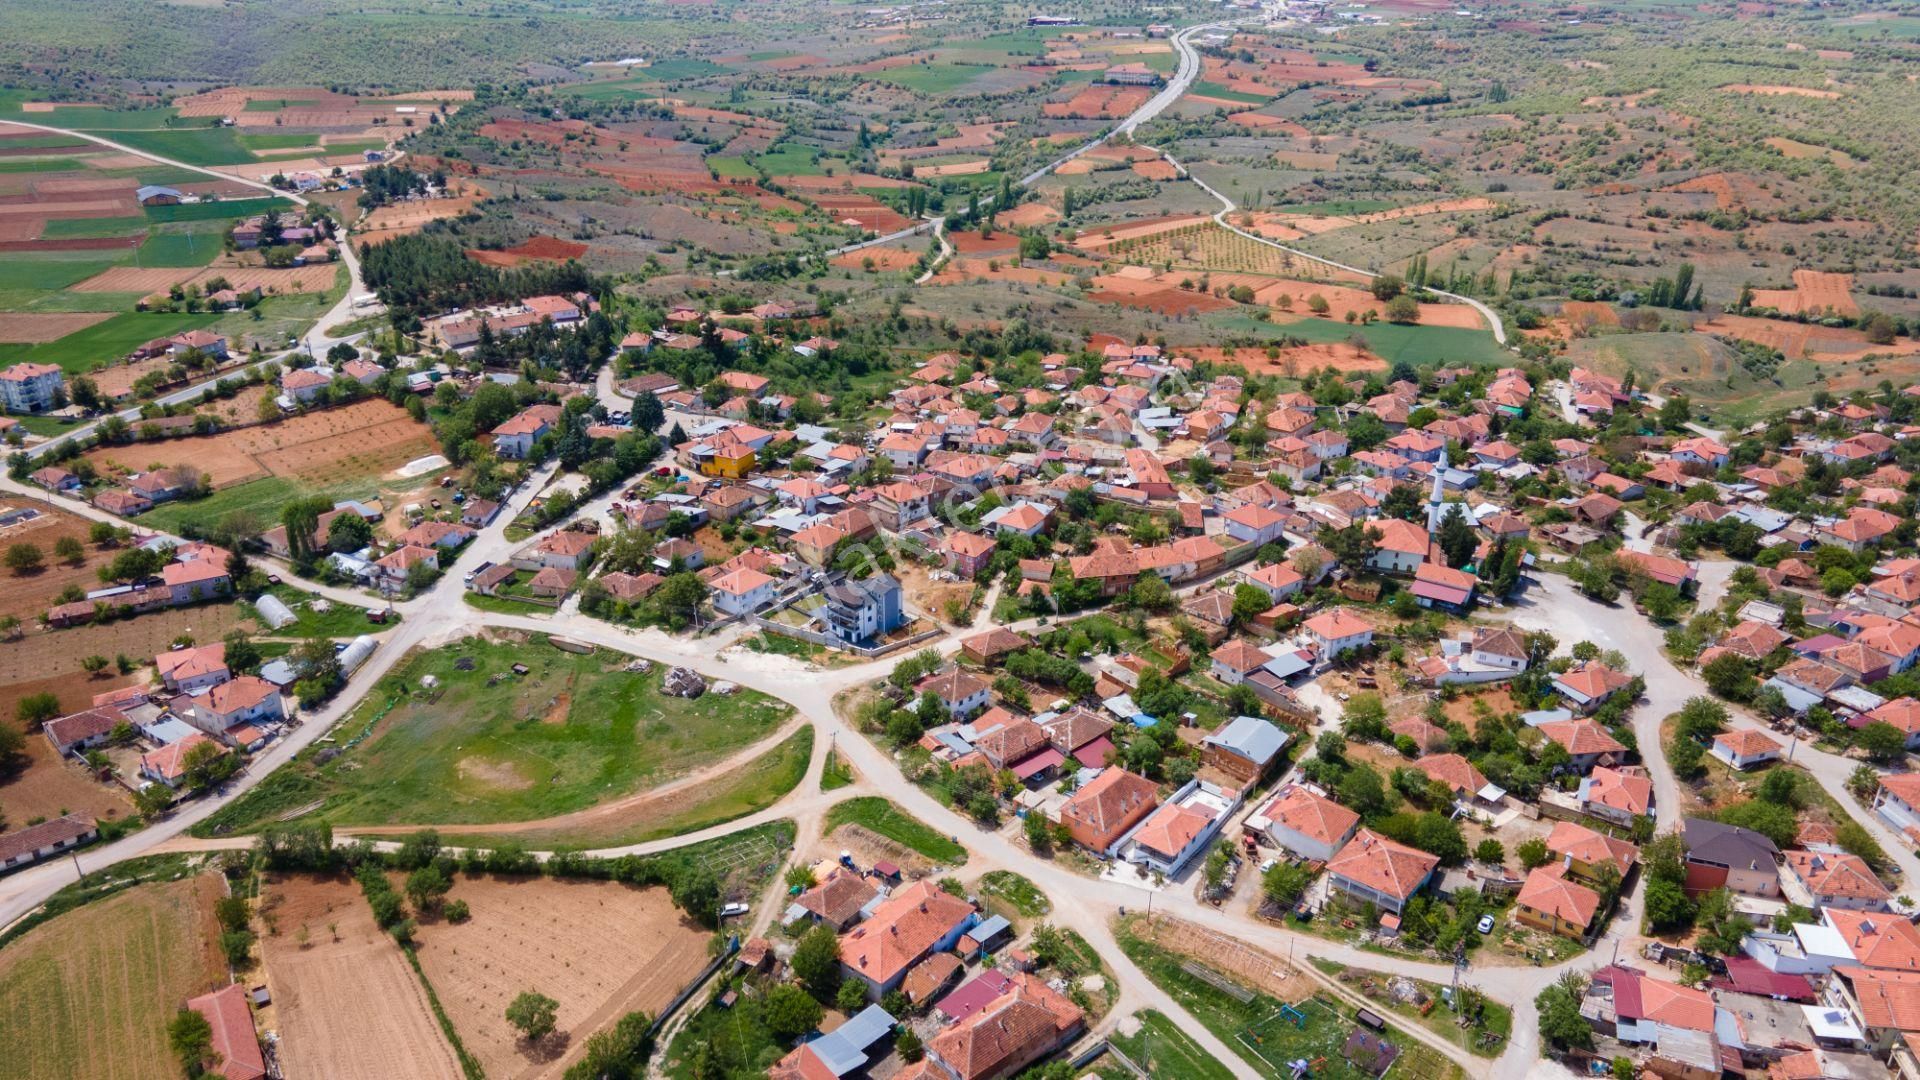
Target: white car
{"points": [[1485, 925]]}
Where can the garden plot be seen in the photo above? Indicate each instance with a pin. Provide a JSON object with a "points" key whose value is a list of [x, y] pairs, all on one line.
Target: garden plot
{"points": [[600, 949], [348, 1003]]}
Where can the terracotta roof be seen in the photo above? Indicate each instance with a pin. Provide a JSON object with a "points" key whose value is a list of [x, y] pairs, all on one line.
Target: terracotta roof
{"points": [[1550, 892], [191, 663], [1624, 791], [233, 1035], [1110, 803], [1337, 624], [902, 930], [1403, 537], [1675, 1005], [1570, 838], [1747, 742], [1238, 655], [1172, 828], [1010, 1030], [952, 686], [1837, 877], [34, 837], [839, 898], [1382, 865], [1877, 940], [1888, 999], [1582, 737], [1452, 770], [1312, 816], [1592, 681], [244, 692]]}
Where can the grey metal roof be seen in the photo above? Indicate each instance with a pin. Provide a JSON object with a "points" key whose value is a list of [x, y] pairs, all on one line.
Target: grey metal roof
{"points": [[1250, 737], [987, 929]]}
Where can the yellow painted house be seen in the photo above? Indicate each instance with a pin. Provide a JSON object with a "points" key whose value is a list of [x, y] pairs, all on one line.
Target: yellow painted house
{"points": [[724, 455], [1552, 901]]}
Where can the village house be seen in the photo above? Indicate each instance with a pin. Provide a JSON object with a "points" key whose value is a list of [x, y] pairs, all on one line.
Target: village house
{"points": [[1305, 823], [1730, 857], [1247, 748], [1027, 1022], [742, 591], [1099, 815], [45, 840], [917, 921], [1823, 880], [960, 693], [1745, 748], [1372, 869], [1589, 744], [31, 388], [1552, 901]]}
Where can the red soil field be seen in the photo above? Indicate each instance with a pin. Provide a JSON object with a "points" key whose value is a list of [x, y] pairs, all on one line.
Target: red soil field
{"points": [[1812, 291], [536, 249], [1166, 301], [33, 327]]}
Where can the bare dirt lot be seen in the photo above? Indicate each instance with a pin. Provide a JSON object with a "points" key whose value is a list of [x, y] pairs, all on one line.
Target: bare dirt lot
{"points": [[599, 948], [348, 1004], [33, 327], [1813, 291], [367, 438], [158, 280]]}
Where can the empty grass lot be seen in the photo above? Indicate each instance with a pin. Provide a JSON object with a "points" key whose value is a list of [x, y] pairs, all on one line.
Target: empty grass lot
{"points": [[1321, 1035], [88, 994], [881, 816], [572, 732], [1163, 1050]]}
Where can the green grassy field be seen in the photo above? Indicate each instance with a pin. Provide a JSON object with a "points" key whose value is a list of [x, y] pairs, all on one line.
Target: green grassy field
{"points": [[747, 789], [69, 228], [733, 168], [223, 210], [1164, 1050], [1215, 90], [572, 732], [1022, 895], [883, 817], [183, 248], [87, 349], [279, 140], [1276, 1041], [50, 271], [788, 160], [691, 67], [338, 621], [933, 79], [93, 989], [39, 164], [192, 146]]}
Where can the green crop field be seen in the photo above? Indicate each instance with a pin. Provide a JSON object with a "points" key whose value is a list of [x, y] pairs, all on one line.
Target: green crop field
{"points": [[191, 146], [40, 271], [883, 817], [183, 248], [279, 140], [84, 350], [733, 168], [933, 79], [679, 68], [220, 210], [1215, 90], [39, 164], [572, 732], [93, 988], [68, 228], [785, 159]]}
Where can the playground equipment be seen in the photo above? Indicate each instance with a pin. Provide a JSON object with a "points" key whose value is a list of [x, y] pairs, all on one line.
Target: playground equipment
{"points": [[1288, 1012]]}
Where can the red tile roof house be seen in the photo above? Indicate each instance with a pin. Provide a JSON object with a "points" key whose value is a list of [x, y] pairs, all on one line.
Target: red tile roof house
{"points": [[192, 670], [1373, 869], [49, 838], [1401, 548], [247, 700], [1588, 743], [1589, 685], [167, 765], [917, 921], [1100, 814], [1615, 795], [1305, 823], [1745, 748], [202, 579], [1338, 631], [234, 1039], [1025, 1024], [1642, 1004], [82, 730], [1834, 881], [515, 438], [960, 693], [565, 549]]}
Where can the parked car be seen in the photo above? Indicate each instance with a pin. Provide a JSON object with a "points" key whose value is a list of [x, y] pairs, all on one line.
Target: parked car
{"points": [[1485, 924]]}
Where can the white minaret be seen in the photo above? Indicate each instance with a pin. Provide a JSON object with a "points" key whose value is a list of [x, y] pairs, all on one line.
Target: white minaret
{"points": [[1433, 500]]}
